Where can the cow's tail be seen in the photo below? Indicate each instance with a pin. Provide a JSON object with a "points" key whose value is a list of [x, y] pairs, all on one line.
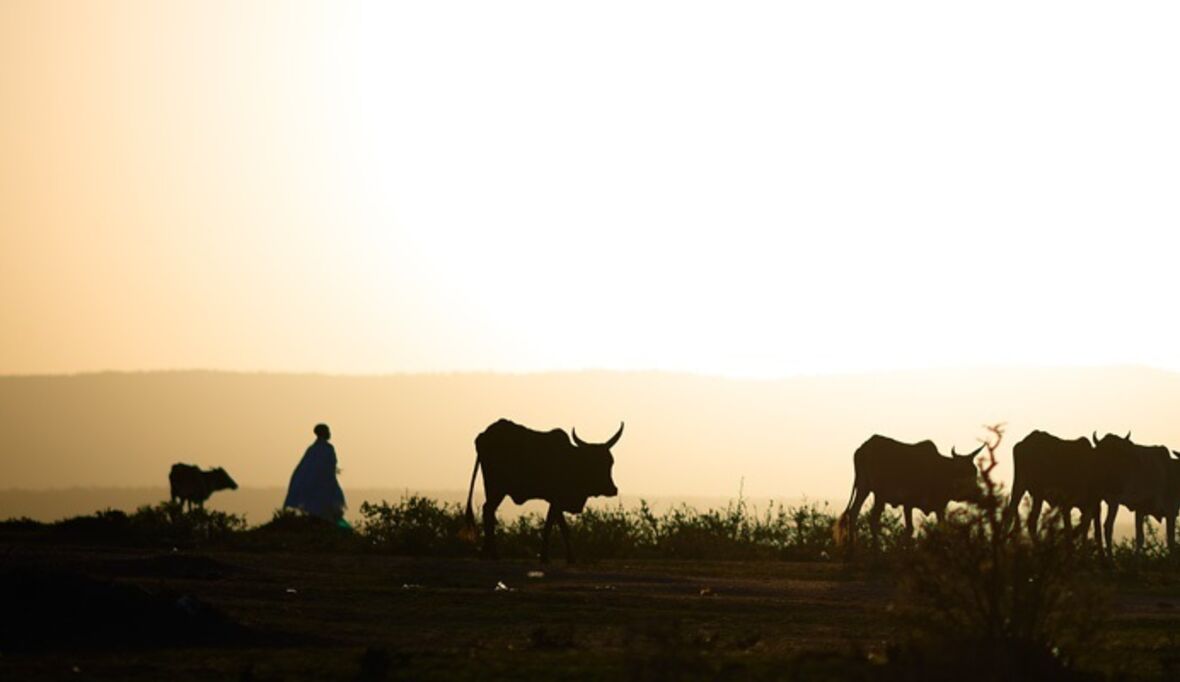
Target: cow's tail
{"points": [[469, 531], [840, 531]]}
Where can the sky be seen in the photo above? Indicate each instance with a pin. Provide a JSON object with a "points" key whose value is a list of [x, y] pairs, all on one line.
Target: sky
{"points": [[747, 189]]}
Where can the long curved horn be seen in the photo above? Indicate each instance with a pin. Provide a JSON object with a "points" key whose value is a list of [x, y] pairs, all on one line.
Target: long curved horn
{"points": [[1094, 437], [615, 438], [975, 452], [578, 441], [953, 453], [1128, 436]]}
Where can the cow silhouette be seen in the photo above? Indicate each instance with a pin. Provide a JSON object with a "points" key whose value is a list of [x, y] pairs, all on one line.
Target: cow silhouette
{"points": [[524, 464], [1062, 473], [1136, 477], [192, 486], [909, 475]]}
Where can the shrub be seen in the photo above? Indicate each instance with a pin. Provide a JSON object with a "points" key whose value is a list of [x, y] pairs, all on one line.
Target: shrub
{"points": [[290, 529], [1004, 606], [165, 524], [168, 522], [414, 525]]}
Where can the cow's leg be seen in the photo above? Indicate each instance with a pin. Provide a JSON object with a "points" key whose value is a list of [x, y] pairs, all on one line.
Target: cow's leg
{"points": [[909, 521], [489, 524], [1096, 511], [853, 513], [1084, 526], [1013, 511], [1034, 515], [1139, 519], [1112, 511], [875, 522], [1067, 520], [554, 516], [565, 537]]}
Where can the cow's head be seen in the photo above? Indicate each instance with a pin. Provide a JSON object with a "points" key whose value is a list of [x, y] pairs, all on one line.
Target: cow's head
{"points": [[964, 481], [596, 462], [221, 480]]}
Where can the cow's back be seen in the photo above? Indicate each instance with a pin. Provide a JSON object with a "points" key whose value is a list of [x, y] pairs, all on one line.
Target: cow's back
{"points": [[1061, 471], [900, 473], [1148, 487], [185, 480], [1137, 479], [523, 463], [1173, 483]]}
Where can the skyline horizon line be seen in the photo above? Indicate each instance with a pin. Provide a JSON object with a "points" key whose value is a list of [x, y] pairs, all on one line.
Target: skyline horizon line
{"points": [[736, 376]]}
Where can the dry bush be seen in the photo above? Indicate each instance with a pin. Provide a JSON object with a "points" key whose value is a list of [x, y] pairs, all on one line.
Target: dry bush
{"points": [[974, 595]]}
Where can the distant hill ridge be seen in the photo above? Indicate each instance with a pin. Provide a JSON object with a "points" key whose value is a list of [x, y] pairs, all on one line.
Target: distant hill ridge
{"points": [[686, 434]]}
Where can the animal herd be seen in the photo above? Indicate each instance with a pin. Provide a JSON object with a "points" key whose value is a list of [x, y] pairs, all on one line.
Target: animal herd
{"points": [[1082, 474], [1077, 474]]}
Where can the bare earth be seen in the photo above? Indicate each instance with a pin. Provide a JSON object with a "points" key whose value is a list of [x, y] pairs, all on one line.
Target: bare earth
{"points": [[344, 617]]}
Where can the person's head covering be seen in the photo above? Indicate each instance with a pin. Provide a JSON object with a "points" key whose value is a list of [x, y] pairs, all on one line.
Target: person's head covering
{"points": [[322, 431]]}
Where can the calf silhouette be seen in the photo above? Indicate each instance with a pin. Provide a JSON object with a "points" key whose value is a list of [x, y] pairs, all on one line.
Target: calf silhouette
{"points": [[191, 485]]}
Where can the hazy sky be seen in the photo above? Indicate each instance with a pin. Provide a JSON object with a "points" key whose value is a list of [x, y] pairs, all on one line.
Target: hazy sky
{"points": [[744, 188]]}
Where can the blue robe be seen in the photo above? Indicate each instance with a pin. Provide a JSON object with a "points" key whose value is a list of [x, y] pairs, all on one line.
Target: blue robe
{"points": [[314, 487]]}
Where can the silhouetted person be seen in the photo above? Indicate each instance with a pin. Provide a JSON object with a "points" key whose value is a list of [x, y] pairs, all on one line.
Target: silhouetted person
{"points": [[314, 487]]}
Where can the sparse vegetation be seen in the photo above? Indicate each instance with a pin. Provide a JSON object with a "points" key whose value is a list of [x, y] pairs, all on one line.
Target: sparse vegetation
{"points": [[421, 526], [733, 593], [417, 525], [165, 524]]}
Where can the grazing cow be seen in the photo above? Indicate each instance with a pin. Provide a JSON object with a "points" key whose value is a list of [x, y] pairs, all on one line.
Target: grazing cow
{"points": [[532, 465], [907, 475], [1136, 477], [1063, 473], [190, 484]]}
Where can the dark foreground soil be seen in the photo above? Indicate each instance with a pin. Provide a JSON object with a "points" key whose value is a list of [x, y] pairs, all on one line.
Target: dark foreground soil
{"points": [[84, 613]]}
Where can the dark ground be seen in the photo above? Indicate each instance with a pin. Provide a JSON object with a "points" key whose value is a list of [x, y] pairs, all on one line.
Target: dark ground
{"points": [[73, 612]]}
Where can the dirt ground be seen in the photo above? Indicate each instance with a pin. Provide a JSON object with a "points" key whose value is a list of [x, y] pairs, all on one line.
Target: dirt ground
{"points": [[312, 616]]}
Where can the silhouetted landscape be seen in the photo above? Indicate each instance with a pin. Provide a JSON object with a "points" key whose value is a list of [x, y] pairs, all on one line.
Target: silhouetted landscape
{"points": [[665, 587], [630, 340]]}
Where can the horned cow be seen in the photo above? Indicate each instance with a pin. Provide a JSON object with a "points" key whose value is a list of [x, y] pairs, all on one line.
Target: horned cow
{"points": [[909, 475], [1136, 477], [524, 464]]}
